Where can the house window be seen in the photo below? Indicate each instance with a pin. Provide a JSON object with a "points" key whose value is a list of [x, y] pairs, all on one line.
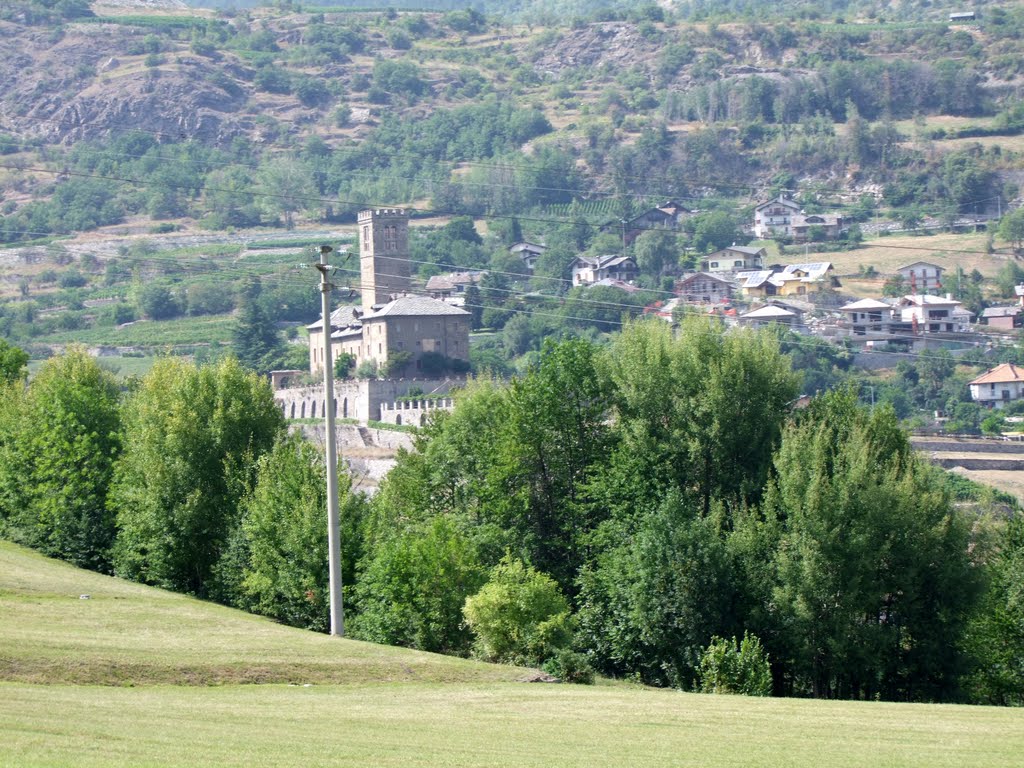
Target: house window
{"points": [[714, 264], [737, 263]]}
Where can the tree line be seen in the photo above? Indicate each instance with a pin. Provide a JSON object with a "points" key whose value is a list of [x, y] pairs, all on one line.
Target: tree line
{"points": [[626, 508]]}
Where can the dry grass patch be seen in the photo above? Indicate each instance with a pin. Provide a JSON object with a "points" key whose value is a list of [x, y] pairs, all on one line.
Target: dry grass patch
{"points": [[887, 254]]}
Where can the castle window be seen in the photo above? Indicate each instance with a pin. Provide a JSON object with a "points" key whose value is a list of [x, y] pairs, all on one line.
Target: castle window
{"points": [[366, 237]]}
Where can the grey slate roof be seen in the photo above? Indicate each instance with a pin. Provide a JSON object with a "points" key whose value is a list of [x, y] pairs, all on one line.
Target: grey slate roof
{"points": [[415, 306], [340, 317]]}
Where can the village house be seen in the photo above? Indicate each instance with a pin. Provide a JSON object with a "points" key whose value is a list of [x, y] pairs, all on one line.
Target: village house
{"points": [[705, 287], [756, 285], [930, 314], [998, 386], [528, 252], [590, 269], [775, 218], [868, 317], [735, 258], [922, 277], [391, 320], [802, 279], [817, 226], [452, 285], [668, 215], [611, 282], [782, 218], [1004, 318], [772, 314]]}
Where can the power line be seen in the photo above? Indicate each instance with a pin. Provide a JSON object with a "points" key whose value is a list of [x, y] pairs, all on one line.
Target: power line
{"points": [[231, 276]]}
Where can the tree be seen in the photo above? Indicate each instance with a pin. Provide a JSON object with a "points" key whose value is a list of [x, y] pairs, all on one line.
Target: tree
{"points": [[713, 231], [229, 200], [731, 667], [285, 183], [13, 363], [655, 250], [701, 411], [894, 286], [156, 301], [344, 362], [651, 604], [192, 437], [474, 305], [412, 585], [255, 339], [284, 536], [519, 616], [58, 454], [1011, 228], [554, 435], [874, 579], [996, 638]]}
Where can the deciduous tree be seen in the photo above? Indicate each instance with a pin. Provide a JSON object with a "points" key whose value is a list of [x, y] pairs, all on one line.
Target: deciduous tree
{"points": [[192, 438]]}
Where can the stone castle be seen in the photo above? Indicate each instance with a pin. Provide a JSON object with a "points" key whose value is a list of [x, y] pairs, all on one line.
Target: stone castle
{"points": [[393, 326], [419, 341]]}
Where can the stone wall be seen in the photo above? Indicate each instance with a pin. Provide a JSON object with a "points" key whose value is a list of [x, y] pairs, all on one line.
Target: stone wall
{"points": [[413, 412], [358, 399]]}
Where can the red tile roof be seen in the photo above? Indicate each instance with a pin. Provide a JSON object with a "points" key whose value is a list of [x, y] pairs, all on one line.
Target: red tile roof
{"points": [[1000, 374]]}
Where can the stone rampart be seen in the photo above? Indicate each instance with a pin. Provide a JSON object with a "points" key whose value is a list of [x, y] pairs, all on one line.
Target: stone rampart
{"points": [[358, 399], [413, 412]]}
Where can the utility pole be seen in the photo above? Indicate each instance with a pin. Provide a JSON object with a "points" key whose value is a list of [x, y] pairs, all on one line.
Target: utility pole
{"points": [[333, 521]]}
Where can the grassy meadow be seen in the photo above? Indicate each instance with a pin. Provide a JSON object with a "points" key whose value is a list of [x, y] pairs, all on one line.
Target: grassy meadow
{"points": [[134, 676]]}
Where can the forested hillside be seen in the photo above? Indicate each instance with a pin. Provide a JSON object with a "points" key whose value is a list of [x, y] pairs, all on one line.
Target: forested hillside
{"points": [[268, 113], [130, 120]]}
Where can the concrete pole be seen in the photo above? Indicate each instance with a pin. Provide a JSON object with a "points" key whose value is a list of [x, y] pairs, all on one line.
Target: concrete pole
{"points": [[333, 521]]}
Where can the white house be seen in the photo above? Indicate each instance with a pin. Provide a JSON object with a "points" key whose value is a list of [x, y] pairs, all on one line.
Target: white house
{"points": [[590, 269], [922, 277], [735, 258], [930, 314], [775, 218], [998, 386], [783, 217], [867, 316]]}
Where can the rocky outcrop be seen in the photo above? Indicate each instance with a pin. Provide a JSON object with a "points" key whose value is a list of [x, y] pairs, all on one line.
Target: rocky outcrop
{"points": [[81, 84]]}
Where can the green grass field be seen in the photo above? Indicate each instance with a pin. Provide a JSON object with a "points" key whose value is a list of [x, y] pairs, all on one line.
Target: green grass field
{"points": [[134, 676]]}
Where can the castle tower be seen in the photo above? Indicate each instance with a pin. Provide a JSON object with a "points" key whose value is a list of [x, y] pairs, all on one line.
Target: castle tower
{"points": [[383, 255]]}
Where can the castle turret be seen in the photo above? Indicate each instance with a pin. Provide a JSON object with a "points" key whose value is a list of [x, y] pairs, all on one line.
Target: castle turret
{"points": [[383, 255]]}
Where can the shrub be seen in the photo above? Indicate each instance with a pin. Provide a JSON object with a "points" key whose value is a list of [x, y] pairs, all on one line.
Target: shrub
{"points": [[519, 616], [726, 667], [343, 365], [570, 667], [367, 370]]}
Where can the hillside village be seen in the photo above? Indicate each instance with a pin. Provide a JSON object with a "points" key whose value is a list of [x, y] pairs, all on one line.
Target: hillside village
{"points": [[416, 341]]}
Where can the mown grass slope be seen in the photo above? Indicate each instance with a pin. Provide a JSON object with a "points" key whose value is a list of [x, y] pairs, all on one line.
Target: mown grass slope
{"points": [[162, 672]]}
